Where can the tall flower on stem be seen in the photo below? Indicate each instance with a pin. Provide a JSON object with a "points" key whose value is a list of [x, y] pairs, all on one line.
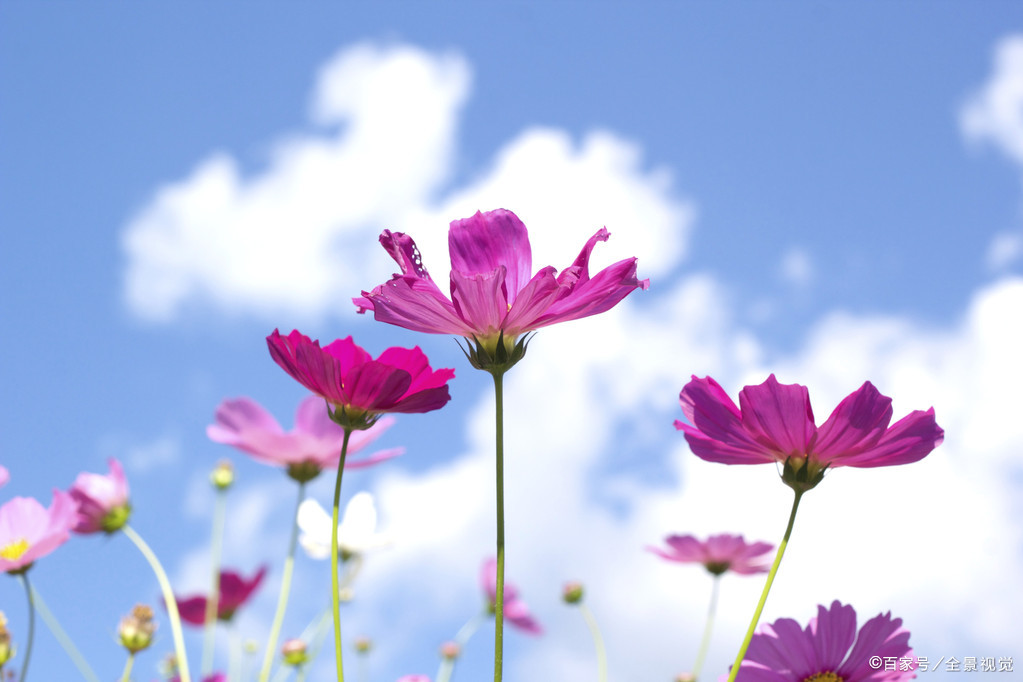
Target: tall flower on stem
{"points": [[314, 444], [358, 391], [495, 303], [718, 554], [774, 423]]}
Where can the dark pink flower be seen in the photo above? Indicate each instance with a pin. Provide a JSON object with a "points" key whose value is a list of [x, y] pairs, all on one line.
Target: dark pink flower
{"points": [[102, 499], [28, 531], [774, 423], [355, 384], [829, 649], [515, 610], [315, 442], [493, 290], [718, 553], [234, 592], [215, 677]]}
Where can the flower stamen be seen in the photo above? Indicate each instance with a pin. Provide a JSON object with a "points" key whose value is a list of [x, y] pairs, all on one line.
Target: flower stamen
{"points": [[13, 551], [826, 676]]}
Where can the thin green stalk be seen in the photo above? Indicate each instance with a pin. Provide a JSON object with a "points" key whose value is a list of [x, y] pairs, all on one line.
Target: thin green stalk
{"points": [[234, 664], [31, 626], [701, 653], [465, 633], [767, 588], [216, 546], [282, 599], [126, 675], [499, 600], [598, 641], [335, 598], [168, 600], [58, 632]]}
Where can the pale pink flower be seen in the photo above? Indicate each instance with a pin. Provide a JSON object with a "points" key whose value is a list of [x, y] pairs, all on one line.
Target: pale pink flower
{"points": [[515, 610], [830, 649], [357, 386], [774, 423], [315, 440], [103, 503], [4, 476], [493, 291], [718, 553], [235, 591], [29, 531], [414, 678]]}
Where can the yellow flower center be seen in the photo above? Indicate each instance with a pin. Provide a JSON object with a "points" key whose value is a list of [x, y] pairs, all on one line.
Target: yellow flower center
{"points": [[12, 551], [824, 677]]}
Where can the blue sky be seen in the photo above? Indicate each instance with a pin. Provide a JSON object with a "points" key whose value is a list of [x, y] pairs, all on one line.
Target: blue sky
{"points": [[828, 191]]}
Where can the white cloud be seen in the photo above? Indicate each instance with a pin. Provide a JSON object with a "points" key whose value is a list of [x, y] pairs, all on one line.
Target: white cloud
{"points": [[796, 267], [995, 113], [1005, 249], [143, 457], [273, 241]]}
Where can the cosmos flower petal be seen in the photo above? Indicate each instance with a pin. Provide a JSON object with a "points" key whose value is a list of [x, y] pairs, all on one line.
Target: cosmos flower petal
{"points": [[833, 632], [856, 424], [908, 440], [492, 240], [597, 295], [192, 610], [480, 297], [718, 553], [778, 416], [5, 476], [881, 636]]}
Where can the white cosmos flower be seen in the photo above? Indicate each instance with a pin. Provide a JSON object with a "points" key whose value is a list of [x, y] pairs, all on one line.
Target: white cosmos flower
{"points": [[356, 533]]}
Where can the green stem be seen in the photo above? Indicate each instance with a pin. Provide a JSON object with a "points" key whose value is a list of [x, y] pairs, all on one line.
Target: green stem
{"points": [[234, 664], [335, 598], [31, 626], [282, 599], [58, 632], [168, 600], [216, 545], [701, 653], [126, 675], [598, 642], [499, 600], [767, 588], [465, 633]]}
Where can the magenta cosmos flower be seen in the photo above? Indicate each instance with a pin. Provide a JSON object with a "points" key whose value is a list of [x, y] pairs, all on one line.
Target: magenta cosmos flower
{"points": [[313, 445], [830, 649], [102, 499], [358, 387], [774, 423], [515, 610], [718, 553], [28, 531], [494, 295], [234, 592]]}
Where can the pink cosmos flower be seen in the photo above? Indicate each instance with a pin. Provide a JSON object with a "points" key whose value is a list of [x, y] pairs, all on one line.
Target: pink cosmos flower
{"points": [[493, 290], [414, 678], [103, 503], [515, 610], [718, 553], [775, 423], [829, 649], [315, 442], [4, 476], [28, 531], [215, 677], [234, 592], [356, 385]]}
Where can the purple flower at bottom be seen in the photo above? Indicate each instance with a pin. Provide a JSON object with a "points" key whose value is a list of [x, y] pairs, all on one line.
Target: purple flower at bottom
{"points": [[830, 649], [515, 610], [718, 553]]}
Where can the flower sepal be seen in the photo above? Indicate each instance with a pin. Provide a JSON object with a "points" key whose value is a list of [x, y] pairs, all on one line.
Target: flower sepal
{"points": [[495, 356], [352, 419], [116, 518], [802, 474], [303, 472]]}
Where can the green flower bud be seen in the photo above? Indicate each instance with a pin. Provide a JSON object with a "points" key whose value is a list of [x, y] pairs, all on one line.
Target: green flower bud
{"points": [[222, 475], [572, 593], [294, 653], [137, 628]]}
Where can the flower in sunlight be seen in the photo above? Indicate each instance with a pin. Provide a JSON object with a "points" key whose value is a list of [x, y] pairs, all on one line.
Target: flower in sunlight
{"points": [[830, 649], [774, 423], [234, 592], [29, 531], [309, 448], [718, 553], [356, 533], [102, 499], [515, 610], [495, 297], [359, 388]]}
